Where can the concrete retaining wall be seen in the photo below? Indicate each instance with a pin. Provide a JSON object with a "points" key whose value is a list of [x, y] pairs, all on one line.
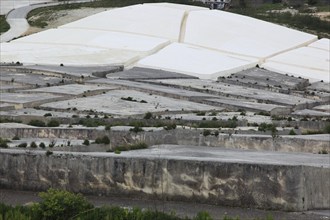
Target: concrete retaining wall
{"points": [[178, 136], [263, 186]]}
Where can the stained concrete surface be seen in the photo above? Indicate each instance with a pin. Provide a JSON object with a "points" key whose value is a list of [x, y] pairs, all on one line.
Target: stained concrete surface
{"points": [[112, 103]]}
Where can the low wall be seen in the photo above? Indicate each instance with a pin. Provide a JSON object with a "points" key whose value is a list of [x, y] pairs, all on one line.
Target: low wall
{"points": [[262, 186]]}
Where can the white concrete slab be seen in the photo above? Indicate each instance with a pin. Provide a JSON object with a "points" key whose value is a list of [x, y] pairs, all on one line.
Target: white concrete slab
{"points": [[95, 38], [196, 61], [242, 35], [308, 62], [323, 44], [164, 22], [67, 54]]}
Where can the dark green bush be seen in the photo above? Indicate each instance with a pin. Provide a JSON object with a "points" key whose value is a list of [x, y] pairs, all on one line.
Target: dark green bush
{"points": [[59, 204], [15, 138], [206, 133], [148, 115], [42, 145], [22, 145], [292, 132], [53, 123], [86, 142], [48, 115], [33, 145], [102, 140], [37, 123]]}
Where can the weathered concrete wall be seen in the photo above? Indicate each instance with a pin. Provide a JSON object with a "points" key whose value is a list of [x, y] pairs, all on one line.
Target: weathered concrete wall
{"points": [[233, 184], [177, 136]]}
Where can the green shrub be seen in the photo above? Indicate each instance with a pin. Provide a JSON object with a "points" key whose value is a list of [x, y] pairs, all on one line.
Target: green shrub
{"points": [[22, 145], [48, 153], [206, 133], [37, 123], [292, 132], [42, 145], [4, 143], [59, 204], [33, 145], [102, 140], [4, 26], [148, 115], [327, 129], [203, 216], [48, 115], [136, 146], [86, 142], [53, 123], [16, 138]]}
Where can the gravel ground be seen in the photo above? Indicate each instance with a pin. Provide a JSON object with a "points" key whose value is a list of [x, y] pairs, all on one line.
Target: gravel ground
{"points": [[180, 208]]}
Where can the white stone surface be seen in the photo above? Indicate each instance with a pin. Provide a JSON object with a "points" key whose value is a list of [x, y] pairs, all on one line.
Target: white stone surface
{"points": [[307, 62], [241, 35], [152, 20], [196, 61], [95, 38], [67, 54], [80, 47], [323, 44]]}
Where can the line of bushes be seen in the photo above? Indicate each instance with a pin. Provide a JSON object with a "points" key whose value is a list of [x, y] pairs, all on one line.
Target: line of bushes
{"points": [[60, 204]]}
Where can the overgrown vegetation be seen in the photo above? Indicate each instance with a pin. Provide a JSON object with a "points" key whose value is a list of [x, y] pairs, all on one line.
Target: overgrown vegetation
{"points": [[128, 147], [4, 26], [304, 20], [60, 204]]}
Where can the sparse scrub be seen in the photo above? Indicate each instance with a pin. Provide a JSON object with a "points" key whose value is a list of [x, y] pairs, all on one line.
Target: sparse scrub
{"points": [[4, 26]]}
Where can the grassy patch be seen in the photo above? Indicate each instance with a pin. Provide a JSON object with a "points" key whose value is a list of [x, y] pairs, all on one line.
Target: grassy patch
{"points": [[4, 26]]}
